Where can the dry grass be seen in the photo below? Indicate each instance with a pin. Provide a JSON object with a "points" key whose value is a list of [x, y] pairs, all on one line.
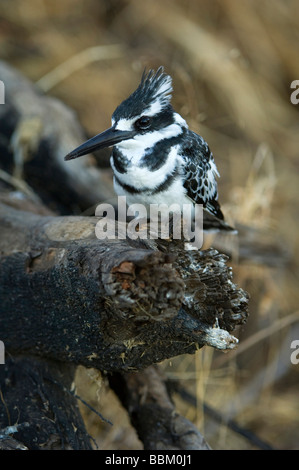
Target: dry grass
{"points": [[232, 64]]}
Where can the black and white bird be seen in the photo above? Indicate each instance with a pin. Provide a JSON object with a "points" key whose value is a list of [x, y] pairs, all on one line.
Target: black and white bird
{"points": [[156, 158]]}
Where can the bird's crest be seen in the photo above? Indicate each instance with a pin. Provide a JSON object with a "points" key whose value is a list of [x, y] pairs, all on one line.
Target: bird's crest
{"points": [[152, 95], [155, 86]]}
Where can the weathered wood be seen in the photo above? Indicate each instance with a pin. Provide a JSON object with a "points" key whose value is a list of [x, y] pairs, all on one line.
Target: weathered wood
{"points": [[125, 305]]}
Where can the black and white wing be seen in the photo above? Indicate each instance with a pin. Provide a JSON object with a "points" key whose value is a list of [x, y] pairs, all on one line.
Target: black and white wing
{"points": [[200, 174]]}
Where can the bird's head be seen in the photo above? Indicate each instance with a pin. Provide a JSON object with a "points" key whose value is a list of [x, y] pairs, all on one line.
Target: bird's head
{"points": [[144, 118]]}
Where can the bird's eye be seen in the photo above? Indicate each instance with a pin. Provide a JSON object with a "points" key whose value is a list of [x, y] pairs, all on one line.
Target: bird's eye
{"points": [[143, 122]]}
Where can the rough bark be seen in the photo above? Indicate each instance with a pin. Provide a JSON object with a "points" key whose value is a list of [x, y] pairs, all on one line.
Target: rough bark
{"points": [[125, 305], [38, 412]]}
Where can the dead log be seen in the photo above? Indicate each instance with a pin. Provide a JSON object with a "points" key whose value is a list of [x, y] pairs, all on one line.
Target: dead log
{"points": [[125, 305], [69, 298]]}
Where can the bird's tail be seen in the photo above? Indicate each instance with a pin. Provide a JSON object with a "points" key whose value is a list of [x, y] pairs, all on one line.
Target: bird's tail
{"points": [[213, 224]]}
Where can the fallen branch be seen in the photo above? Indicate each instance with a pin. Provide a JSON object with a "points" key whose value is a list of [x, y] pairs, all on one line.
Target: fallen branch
{"points": [[125, 305]]}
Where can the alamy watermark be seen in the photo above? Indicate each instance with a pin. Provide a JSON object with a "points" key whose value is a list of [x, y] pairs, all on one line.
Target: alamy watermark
{"points": [[150, 222], [2, 93], [295, 94], [2, 353], [295, 354]]}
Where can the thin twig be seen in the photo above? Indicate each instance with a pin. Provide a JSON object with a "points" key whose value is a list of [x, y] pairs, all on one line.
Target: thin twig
{"points": [[73, 394]]}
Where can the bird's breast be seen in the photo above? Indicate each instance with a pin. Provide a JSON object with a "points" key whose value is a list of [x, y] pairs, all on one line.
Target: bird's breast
{"points": [[140, 175], [173, 193]]}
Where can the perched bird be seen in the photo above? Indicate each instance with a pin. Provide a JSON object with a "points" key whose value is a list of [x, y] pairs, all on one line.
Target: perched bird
{"points": [[156, 158]]}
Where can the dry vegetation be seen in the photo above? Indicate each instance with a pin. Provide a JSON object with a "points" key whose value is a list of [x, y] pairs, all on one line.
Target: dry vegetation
{"points": [[232, 63]]}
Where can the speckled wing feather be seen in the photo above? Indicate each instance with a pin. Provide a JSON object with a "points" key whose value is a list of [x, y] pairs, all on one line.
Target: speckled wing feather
{"points": [[200, 174]]}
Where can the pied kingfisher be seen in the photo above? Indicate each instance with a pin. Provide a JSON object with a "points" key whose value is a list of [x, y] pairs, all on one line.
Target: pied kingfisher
{"points": [[155, 158]]}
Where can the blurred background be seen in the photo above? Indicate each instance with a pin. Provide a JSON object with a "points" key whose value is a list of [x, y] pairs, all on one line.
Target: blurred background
{"points": [[232, 65]]}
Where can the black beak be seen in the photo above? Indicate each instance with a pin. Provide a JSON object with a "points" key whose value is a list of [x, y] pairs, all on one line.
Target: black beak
{"points": [[107, 138]]}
